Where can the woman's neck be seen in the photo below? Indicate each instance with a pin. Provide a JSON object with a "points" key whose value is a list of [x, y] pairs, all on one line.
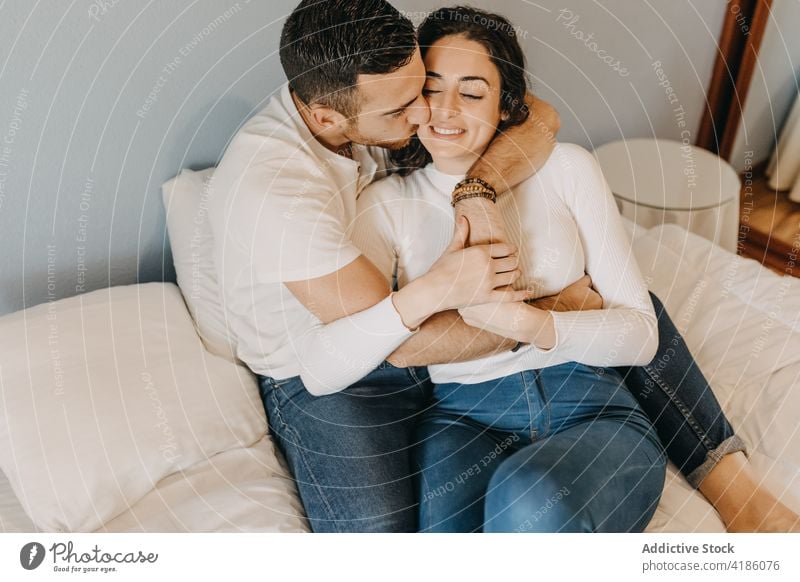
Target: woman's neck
{"points": [[455, 166]]}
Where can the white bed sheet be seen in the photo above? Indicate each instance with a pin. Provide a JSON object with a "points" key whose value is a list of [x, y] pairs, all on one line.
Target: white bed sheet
{"points": [[741, 321], [742, 324], [12, 517]]}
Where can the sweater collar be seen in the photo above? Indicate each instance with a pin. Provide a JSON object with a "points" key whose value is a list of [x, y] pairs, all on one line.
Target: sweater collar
{"points": [[442, 181]]}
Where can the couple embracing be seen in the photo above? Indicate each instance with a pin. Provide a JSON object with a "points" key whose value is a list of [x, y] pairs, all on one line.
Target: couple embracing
{"points": [[440, 302]]}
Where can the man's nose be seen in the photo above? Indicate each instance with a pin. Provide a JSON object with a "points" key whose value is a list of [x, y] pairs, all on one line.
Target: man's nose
{"points": [[418, 112]]}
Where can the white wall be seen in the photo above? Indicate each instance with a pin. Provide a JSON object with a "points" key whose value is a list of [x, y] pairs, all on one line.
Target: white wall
{"points": [[80, 204], [775, 85]]}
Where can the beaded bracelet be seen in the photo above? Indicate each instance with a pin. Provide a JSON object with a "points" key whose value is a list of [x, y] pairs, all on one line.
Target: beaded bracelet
{"points": [[481, 194], [472, 188], [475, 181]]}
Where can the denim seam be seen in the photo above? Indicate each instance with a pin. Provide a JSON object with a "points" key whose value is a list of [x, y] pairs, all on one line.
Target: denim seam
{"points": [[424, 486], [417, 382], [277, 383], [682, 408], [531, 429], [545, 406], [288, 429]]}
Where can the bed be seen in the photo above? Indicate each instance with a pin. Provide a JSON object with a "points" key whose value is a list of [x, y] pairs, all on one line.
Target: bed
{"points": [[125, 409]]}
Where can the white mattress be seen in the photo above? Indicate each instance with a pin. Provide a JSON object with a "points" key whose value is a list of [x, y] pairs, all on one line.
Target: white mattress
{"points": [[741, 321], [742, 324]]}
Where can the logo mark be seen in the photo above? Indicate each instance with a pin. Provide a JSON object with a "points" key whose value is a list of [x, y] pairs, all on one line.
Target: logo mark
{"points": [[31, 555]]}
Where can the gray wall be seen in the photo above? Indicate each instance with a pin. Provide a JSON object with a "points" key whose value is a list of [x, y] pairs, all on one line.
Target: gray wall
{"points": [[598, 103], [775, 85], [102, 101]]}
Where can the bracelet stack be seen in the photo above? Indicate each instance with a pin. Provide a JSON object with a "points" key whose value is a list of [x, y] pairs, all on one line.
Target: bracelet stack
{"points": [[473, 188]]}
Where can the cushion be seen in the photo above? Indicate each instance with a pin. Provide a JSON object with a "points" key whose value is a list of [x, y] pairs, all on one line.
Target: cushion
{"points": [[104, 394], [241, 490], [192, 242]]}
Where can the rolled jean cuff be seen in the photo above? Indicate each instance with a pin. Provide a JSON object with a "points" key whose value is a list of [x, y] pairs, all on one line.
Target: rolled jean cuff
{"points": [[730, 445]]}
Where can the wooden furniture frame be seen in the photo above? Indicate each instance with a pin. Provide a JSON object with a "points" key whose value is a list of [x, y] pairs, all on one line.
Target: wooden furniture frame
{"points": [[737, 53]]}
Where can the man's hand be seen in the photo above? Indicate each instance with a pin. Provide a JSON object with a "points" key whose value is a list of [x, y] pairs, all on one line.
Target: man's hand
{"points": [[511, 158], [474, 275], [486, 224], [518, 153], [461, 277], [577, 297]]}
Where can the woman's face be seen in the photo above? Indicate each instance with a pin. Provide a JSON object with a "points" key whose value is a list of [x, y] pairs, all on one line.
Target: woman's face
{"points": [[463, 89]]}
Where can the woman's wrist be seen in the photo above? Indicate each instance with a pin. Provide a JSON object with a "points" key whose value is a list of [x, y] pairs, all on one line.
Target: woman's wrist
{"points": [[538, 328], [415, 302]]}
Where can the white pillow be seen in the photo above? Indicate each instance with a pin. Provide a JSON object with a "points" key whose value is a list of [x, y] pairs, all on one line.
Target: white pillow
{"points": [[186, 202], [104, 394], [241, 490]]}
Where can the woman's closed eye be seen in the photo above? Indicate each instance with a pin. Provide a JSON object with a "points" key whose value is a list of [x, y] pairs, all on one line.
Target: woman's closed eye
{"points": [[471, 97]]}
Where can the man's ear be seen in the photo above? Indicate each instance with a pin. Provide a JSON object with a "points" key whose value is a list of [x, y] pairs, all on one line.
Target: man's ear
{"points": [[327, 118]]}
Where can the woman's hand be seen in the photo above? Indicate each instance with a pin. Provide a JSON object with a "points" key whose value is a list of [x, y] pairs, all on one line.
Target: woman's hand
{"points": [[461, 277], [517, 321], [577, 297], [504, 319]]}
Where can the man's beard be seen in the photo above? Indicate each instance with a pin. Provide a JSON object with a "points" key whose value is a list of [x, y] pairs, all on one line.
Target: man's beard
{"points": [[357, 137]]}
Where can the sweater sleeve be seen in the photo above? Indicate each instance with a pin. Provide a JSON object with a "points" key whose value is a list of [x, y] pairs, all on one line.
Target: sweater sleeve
{"points": [[342, 352], [625, 331]]}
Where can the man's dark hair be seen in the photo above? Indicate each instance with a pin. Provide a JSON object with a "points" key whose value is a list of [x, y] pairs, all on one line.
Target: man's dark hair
{"points": [[327, 44]]}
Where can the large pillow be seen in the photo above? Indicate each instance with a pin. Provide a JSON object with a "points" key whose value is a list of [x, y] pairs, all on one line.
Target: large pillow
{"points": [[241, 490], [192, 242], [104, 394]]}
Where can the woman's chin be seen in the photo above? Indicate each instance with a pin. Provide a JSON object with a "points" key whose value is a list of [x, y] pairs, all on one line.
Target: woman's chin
{"points": [[446, 150]]}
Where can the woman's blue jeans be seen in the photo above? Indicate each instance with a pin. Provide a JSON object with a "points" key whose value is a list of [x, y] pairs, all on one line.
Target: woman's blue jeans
{"points": [[562, 449], [350, 452], [681, 405]]}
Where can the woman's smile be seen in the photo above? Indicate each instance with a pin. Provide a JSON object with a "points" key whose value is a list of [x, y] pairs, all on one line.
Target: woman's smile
{"points": [[447, 132]]}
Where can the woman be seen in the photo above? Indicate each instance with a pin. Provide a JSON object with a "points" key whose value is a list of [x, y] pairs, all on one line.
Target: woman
{"points": [[531, 441]]}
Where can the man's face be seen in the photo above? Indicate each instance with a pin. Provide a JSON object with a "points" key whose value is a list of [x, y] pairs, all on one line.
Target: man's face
{"points": [[392, 106]]}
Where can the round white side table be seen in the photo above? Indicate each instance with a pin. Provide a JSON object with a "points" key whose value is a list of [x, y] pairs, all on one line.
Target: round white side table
{"points": [[658, 181]]}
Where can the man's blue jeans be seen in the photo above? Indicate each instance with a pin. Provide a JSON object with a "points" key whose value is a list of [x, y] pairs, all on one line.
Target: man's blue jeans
{"points": [[351, 452], [562, 449]]}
